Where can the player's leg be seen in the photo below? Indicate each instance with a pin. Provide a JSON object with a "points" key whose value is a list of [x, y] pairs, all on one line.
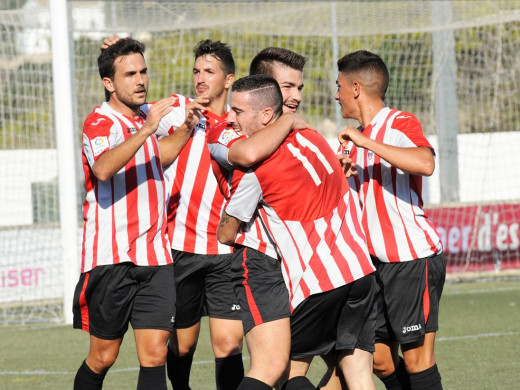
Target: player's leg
{"points": [[102, 355], [190, 271], [356, 366], [225, 323], [333, 378], [265, 310], [269, 345], [153, 316], [419, 355], [102, 306], [296, 378]]}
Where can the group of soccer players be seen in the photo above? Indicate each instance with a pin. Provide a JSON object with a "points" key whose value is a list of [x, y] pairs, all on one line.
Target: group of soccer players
{"points": [[244, 214]]}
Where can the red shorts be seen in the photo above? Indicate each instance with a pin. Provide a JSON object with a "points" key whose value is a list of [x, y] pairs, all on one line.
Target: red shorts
{"points": [[109, 297]]}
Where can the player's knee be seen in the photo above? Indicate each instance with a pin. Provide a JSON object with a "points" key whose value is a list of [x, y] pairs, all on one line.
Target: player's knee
{"points": [[101, 361], [416, 362], [382, 368], [227, 345]]}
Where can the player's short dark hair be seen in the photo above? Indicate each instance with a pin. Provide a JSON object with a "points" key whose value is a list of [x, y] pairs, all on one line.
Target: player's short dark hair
{"points": [[370, 66], [265, 60], [108, 56], [264, 89], [219, 50]]}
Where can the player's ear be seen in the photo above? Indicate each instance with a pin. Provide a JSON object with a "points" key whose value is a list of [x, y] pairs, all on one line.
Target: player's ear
{"points": [[230, 79], [108, 84], [267, 116], [356, 89]]}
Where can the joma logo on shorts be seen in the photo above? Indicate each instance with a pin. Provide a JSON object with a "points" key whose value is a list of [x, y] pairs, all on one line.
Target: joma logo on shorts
{"points": [[407, 329], [235, 307]]}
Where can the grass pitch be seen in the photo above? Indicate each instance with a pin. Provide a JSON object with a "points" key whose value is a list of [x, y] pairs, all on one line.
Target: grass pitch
{"points": [[478, 347]]}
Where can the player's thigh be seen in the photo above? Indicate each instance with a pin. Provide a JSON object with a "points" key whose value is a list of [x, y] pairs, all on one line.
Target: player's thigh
{"points": [[419, 355], [103, 300], [226, 336], [221, 300], [190, 271], [259, 287], [154, 302]]}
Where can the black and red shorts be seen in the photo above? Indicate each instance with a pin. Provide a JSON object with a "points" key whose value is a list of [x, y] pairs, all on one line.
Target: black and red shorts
{"points": [[109, 297], [259, 287], [408, 303]]}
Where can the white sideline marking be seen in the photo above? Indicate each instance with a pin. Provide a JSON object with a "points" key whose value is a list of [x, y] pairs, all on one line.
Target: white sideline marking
{"points": [[483, 290], [201, 362]]}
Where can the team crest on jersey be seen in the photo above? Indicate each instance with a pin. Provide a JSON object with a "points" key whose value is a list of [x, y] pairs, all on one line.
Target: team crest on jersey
{"points": [[227, 136], [370, 155], [99, 145]]}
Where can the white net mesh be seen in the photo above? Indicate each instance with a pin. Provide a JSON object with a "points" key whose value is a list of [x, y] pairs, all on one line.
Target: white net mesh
{"points": [[480, 233]]}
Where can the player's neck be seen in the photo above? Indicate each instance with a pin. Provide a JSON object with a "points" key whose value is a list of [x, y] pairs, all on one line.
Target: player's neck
{"points": [[218, 105], [369, 111], [124, 109]]}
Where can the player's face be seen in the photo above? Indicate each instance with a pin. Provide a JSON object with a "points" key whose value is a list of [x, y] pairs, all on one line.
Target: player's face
{"points": [[243, 117], [130, 81], [210, 78], [346, 97], [291, 83]]}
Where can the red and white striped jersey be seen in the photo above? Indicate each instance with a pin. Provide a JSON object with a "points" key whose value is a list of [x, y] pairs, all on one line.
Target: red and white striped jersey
{"points": [[252, 234], [195, 203], [396, 226], [310, 213], [125, 217]]}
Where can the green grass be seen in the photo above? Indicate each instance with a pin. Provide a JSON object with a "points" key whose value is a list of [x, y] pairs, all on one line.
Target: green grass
{"points": [[478, 347]]}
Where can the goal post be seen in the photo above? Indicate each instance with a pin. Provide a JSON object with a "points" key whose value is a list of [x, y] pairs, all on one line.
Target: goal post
{"points": [[41, 112]]}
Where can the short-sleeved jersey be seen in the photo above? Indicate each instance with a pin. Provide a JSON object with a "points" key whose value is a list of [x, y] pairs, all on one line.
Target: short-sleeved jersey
{"points": [[396, 226], [252, 234], [195, 203], [125, 216], [310, 214]]}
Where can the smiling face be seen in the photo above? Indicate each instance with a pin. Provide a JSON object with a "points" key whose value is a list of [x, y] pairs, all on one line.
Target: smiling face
{"points": [[243, 116], [210, 78], [130, 83], [291, 83]]}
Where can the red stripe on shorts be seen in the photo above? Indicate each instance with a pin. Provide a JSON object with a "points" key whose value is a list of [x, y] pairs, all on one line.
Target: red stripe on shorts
{"points": [[83, 306], [257, 317], [426, 296]]}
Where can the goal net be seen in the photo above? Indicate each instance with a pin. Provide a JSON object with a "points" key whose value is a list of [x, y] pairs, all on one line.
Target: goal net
{"points": [[453, 64]]}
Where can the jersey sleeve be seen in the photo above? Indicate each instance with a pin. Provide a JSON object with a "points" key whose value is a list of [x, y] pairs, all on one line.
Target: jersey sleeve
{"points": [[99, 135], [410, 126], [171, 121], [246, 193], [220, 139]]}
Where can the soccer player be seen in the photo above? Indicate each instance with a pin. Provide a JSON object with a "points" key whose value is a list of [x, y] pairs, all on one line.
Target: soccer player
{"points": [[126, 271], [392, 155], [306, 206]]}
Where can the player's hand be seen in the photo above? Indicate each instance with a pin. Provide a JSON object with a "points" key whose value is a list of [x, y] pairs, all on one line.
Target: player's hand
{"points": [[300, 123], [109, 41], [349, 166], [194, 110], [157, 111], [351, 133]]}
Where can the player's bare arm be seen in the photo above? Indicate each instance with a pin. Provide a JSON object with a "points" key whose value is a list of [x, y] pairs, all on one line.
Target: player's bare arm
{"points": [[416, 160], [228, 229], [111, 161], [349, 166], [172, 145], [260, 145]]}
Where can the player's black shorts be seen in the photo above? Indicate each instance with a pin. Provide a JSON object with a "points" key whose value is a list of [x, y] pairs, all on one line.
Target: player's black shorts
{"points": [[109, 297], [408, 303], [259, 286], [204, 288], [340, 319]]}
